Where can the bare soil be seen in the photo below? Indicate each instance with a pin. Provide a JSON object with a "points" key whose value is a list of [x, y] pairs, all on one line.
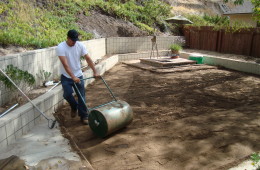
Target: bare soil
{"points": [[199, 119]]}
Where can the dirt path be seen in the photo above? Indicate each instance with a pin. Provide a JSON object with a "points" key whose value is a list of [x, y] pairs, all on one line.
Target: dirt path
{"points": [[206, 119]]}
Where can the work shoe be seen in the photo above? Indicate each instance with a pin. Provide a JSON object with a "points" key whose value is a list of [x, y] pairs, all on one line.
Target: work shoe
{"points": [[73, 113], [84, 121]]}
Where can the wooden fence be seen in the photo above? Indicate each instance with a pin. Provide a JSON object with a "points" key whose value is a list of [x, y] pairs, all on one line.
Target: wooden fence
{"points": [[243, 42]]}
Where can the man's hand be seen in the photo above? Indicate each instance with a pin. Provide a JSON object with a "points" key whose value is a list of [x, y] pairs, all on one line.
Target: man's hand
{"points": [[76, 79], [96, 75]]}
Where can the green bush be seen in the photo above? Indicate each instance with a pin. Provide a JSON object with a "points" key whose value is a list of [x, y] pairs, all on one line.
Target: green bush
{"points": [[217, 22], [175, 47], [18, 76], [23, 79]]}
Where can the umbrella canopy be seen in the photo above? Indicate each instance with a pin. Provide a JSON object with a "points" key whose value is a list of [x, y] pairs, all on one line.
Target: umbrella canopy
{"points": [[178, 20]]}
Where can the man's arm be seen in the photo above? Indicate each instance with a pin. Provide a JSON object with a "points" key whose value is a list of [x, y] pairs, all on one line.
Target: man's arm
{"points": [[65, 64], [91, 65]]}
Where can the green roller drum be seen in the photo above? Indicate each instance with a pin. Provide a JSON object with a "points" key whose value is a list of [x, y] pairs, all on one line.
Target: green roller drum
{"points": [[110, 118]]}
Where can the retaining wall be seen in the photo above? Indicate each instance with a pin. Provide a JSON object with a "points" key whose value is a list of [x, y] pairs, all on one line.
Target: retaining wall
{"points": [[239, 65], [123, 45], [243, 66]]}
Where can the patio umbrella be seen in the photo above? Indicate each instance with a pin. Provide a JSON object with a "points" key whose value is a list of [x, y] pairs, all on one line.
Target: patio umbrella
{"points": [[178, 20]]}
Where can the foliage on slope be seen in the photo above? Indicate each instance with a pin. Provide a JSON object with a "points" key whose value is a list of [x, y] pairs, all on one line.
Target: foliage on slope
{"points": [[42, 23]]}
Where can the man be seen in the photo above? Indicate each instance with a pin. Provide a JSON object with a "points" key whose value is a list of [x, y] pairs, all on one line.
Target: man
{"points": [[70, 52]]}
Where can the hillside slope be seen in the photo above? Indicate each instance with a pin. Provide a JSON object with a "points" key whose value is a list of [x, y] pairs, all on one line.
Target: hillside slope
{"points": [[198, 7], [103, 25]]}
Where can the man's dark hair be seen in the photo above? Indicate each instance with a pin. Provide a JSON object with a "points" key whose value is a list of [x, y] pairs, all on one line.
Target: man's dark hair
{"points": [[73, 35]]}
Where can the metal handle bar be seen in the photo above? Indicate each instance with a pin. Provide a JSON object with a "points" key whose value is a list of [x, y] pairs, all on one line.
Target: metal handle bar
{"points": [[105, 84], [85, 101]]}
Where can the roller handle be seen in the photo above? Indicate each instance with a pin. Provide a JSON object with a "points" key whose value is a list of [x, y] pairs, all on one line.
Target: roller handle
{"points": [[105, 84]]}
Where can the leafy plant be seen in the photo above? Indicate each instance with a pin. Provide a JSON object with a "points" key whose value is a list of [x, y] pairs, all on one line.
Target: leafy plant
{"points": [[23, 79], [44, 75], [218, 23], [175, 47], [255, 158], [256, 10], [217, 20]]}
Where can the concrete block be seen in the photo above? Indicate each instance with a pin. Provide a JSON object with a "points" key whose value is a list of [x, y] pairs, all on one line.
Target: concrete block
{"points": [[19, 60], [25, 59], [15, 61], [30, 115], [25, 129], [3, 135], [8, 62], [31, 125], [11, 139], [37, 120], [17, 123], [40, 104], [3, 145], [9, 128], [25, 119], [18, 133], [36, 113]]}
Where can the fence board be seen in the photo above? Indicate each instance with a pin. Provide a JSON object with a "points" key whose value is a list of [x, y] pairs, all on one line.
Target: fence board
{"points": [[255, 49], [244, 42], [208, 39], [237, 43]]}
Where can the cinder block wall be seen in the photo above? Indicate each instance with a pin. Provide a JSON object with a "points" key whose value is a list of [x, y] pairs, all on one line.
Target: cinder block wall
{"points": [[44, 59], [123, 45]]}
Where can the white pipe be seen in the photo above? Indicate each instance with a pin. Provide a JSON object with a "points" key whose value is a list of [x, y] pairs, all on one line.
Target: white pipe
{"points": [[56, 84], [8, 110], [23, 94]]}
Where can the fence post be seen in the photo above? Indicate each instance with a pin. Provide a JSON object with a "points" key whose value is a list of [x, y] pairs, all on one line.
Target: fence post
{"points": [[252, 43], [219, 39]]}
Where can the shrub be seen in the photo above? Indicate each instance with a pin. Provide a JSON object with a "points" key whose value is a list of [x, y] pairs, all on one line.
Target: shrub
{"points": [[175, 47], [23, 79]]}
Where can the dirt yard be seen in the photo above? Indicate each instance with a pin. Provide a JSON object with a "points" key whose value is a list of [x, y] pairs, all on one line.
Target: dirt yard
{"points": [[205, 119]]}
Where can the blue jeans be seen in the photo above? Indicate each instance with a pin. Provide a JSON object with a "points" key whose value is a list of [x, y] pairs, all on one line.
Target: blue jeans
{"points": [[67, 85]]}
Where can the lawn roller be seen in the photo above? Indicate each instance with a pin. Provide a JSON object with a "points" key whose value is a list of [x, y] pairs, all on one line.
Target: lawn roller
{"points": [[109, 117]]}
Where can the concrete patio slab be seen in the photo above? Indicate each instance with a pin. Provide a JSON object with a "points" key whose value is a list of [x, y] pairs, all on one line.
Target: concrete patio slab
{"points": [[177, 68], [166, 61], [45, 148]]}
